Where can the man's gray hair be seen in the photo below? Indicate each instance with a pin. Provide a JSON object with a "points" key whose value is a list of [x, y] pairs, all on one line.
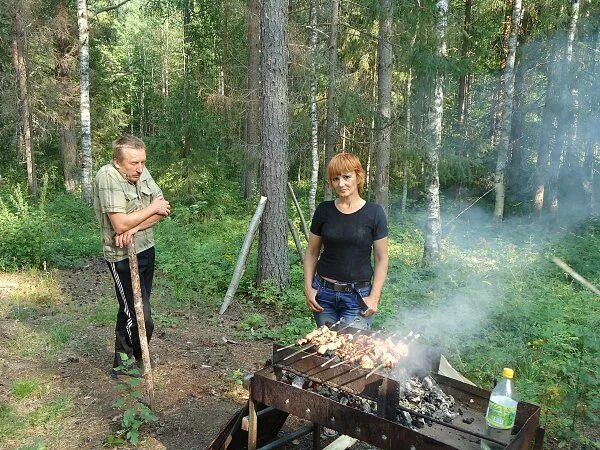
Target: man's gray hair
{"points": [[126, 141]]}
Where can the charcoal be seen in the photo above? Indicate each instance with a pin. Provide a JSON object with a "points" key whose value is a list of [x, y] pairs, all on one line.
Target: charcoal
{"points": [[469, 420]]}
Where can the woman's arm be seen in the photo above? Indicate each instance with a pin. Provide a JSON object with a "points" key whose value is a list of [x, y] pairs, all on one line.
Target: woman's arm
{"points": [[311, 257], [380, 248]]}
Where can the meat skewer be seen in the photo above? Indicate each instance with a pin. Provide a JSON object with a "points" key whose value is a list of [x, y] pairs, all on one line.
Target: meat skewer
{"points": [[388, 359], [296, 343]]}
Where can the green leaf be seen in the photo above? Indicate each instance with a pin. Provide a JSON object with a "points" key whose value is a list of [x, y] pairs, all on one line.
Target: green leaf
{"points": [[119, 403]]}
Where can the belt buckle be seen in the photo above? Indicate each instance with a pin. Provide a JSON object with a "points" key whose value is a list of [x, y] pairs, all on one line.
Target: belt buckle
{"points": [[339, 287]]}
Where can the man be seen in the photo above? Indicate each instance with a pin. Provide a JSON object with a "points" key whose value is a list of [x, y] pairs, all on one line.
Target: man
{"points": [[128, 203]]}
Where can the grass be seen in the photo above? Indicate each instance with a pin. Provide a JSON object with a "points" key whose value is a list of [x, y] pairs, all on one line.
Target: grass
{"points": [[495, 300]]}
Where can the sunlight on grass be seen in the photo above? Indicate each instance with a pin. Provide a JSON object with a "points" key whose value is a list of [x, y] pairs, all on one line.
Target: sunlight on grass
{"points": [[24, 388], [36, 288]]}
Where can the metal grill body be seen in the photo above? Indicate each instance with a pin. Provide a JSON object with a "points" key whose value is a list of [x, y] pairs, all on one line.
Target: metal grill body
{"points": [[381, 428]]}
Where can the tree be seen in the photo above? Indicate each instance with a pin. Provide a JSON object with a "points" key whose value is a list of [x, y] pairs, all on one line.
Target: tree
{"points": [[314, 120], [84, 95], [384, 100], [64, 49], [273, 249], [19, 55], [433, 224], [565, 116], [508, 82], [250, 174], [331, 132]]}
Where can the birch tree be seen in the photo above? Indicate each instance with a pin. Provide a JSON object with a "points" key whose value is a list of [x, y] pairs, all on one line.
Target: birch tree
{"points": [[331, 132], [314, 124], [384, 100], [273, 250], [84, 95], [433, 224], [508, 83]]}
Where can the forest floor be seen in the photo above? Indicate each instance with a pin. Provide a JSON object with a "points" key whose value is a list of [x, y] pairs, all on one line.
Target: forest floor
{"points": [[69, 400], [56, 350]]}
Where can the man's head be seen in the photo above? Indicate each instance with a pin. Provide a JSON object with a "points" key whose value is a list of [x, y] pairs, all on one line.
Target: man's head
{"points": [[129, 157]]}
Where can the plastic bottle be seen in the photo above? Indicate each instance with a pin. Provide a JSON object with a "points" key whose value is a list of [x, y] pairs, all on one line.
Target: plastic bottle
{"points": [[501, 412]]}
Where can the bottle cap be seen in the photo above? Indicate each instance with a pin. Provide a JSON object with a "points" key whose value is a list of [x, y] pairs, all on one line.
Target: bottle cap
{"points": [[508, 373]]}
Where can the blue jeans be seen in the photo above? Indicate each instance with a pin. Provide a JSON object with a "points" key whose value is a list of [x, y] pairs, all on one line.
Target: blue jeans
{"points": [[342, 306]]}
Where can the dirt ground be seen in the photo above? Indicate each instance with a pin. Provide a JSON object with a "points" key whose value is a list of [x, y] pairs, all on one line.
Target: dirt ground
{"points": [[195, 394]]}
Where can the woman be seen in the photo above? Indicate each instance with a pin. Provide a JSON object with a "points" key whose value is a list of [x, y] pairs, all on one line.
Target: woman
{"points": [[340, 283]]}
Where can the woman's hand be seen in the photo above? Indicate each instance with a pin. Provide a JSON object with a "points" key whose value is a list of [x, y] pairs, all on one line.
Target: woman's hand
{"points": [[311, 300], [371, 301]]}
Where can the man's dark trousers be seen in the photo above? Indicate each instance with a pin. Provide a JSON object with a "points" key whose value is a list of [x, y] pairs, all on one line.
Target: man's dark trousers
{"points": [[126, 331]]}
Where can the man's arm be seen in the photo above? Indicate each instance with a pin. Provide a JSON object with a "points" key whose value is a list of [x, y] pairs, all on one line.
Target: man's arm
{"points": [[122, 222], [123, 239]]}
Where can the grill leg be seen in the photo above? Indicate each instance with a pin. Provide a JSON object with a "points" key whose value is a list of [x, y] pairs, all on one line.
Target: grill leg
{"points": [[538, 444], [317, 437], [252, 424]]}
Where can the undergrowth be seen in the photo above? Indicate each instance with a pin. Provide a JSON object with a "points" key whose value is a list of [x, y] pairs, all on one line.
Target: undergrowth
{"points": [[495, 299]]}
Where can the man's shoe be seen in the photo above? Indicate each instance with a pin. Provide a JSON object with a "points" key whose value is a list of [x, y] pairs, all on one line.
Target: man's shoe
{"points": [[134, 373]]}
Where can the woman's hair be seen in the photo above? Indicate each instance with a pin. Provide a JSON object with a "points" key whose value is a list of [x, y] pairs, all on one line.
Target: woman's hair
{"points": [[344, 163], [126, 141]]}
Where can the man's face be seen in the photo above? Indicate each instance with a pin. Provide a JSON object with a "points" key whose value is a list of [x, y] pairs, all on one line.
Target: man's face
{"points": [[131, 164]]}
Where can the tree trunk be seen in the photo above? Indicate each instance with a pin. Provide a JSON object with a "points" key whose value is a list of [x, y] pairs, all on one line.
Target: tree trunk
{"points": [[314, 120], [384, 100], [508, 81], [408, 139], [251, 148], [20, 64], [592, 138], [547, 130], [498, 118], [273, 250], [64, 44], [331, 133], [563, 124], [433, 225], [185, 111], [464, 80], [84, 86]]}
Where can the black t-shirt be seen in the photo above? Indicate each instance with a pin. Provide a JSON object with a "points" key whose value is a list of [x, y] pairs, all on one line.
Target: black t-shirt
{"points": [[348, 240]]}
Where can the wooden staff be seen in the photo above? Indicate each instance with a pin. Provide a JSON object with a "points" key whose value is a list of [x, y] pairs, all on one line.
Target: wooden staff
{"points": [[139, 315], [304, 227]]}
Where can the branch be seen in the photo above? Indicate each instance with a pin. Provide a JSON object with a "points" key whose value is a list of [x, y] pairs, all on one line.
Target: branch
{"points": [[575, 275], [110, 8]]}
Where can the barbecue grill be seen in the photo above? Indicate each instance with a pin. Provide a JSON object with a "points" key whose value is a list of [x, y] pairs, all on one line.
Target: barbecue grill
{"points": [[343, 398]]}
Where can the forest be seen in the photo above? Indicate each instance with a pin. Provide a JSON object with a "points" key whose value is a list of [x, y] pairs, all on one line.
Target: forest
{"points": [[477, 123]]}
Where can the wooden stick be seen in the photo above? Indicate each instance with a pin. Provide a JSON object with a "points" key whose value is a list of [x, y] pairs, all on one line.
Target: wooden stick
{"points": [[304, 227], [294, 232], [141, 324], [575, 275], [243, 257]]}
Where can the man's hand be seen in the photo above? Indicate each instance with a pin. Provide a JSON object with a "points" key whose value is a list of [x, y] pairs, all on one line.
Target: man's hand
{"points": [[311, 301], [161, 206], [124, 239]]}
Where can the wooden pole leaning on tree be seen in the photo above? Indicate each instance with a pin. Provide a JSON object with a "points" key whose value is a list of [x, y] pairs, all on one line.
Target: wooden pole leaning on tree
{"points": [[141, 324], [304, 227], [241, 262], [296, 240]]}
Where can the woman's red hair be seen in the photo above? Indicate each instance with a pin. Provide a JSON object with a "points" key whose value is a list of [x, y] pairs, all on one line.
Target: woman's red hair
{"points": [[344, 163]]}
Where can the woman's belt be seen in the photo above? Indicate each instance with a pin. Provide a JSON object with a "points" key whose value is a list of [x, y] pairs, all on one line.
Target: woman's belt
{"points": [[342, 287]]}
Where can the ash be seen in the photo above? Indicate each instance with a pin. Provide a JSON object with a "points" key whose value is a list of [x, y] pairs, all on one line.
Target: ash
{"points": [[426, 397], [421, 395]]}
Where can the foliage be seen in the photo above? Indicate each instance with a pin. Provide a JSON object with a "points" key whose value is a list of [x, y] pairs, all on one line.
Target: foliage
{"points": [[135, 413], [57, 233]]}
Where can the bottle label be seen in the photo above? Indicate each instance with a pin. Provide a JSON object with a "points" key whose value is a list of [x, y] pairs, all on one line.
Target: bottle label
{"points": [[500, 416]]}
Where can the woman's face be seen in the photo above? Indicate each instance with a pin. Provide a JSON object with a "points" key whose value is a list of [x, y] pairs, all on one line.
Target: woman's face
{"points": [[345, 184]]}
